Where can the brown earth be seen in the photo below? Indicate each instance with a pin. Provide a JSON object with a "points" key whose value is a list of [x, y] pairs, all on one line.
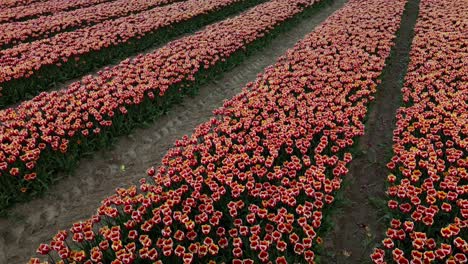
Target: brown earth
{"points": [[360, 223], [77, 196]]}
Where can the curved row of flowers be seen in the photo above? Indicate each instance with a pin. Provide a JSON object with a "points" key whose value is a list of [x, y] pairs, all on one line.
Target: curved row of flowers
{"points": [[58, 125], [17, 32], [251, 185], [43, 8], [67, 54], [428, 184]]}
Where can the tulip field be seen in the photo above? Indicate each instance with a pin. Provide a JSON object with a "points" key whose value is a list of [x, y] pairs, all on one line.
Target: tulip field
{"points": [[87, 113], [260, 179], [22, 10], [31, 67], [16, 32]]}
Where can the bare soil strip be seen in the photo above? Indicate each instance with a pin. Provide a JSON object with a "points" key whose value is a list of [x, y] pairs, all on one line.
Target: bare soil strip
{"points": [[76, 197], [359, 224]]}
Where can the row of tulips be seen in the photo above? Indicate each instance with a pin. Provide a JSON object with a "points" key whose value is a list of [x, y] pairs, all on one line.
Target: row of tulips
{"points": [[41, 8], [428, 184], [36, 66], [14, 3], [51, 131], [251, 185], [17, 32]]}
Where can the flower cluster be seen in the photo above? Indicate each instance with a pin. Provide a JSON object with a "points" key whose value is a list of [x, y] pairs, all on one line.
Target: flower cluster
{"points": [[427, 187], [52, 120], [14, 3], [40, 8], [24, 59], [17, 32], [251, 185]]}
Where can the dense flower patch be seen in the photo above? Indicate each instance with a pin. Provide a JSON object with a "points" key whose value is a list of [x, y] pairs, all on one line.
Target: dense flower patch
{"points": [[21, 61], [16, 32], [428, 191], [30, 67], [251, 185], [14, 3], [61, 123], [43, 8]]}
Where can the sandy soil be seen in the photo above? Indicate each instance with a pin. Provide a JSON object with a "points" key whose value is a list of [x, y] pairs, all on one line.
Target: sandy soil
{"points": [[359, 225], [77, 196]]}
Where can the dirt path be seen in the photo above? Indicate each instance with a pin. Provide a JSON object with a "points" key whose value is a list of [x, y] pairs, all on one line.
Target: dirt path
{"points": [[359, 226], [76, 197]]}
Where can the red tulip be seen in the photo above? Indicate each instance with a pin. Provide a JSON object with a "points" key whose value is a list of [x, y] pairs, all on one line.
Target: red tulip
{"points": [[43, 249]]}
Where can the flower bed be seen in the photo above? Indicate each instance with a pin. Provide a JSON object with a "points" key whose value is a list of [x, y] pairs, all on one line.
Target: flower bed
{"points": [[45, 26], [14, 3], [40, 8], [427, 187], [253, 185], [54, 129], [33, 67]]}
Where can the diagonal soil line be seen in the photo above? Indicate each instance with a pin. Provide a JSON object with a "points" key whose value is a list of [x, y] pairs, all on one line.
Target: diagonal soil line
{"points": [[77, 197], [358, 227]]}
